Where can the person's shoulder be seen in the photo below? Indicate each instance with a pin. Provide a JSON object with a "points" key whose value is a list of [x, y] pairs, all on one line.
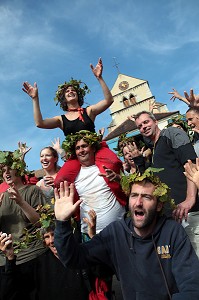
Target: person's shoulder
{"points": [[173, 131], [177, 136], [171, 226]]}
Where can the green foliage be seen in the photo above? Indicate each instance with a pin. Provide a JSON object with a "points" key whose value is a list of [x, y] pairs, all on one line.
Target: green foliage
{"points": [[82, 91], [162, 191], [13, 160], [179, 120], [70, 141], [46, 221]]}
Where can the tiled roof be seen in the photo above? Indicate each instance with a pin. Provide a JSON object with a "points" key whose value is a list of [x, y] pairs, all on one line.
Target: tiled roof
{"points": [[128, 125]]}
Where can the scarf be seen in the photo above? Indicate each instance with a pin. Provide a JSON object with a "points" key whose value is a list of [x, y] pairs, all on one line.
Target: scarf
{"points": [[80, 111]]}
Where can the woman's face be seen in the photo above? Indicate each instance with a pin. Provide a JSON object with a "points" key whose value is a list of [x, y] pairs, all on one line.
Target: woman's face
{"points": [[48, 161], [129, 153], [71, 94]]}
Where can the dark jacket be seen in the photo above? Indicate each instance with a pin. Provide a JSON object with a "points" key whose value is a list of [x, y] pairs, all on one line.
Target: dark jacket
{"points": [[51, 281], [135, 260]]}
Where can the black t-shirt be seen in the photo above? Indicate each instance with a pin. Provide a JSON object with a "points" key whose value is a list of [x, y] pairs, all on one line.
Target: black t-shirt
{"points": [[77, 125], [171, 152]]}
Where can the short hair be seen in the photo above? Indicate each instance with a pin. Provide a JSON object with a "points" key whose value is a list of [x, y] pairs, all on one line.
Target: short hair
{"points": [[193, 109], [44, 230], [150, 114]]}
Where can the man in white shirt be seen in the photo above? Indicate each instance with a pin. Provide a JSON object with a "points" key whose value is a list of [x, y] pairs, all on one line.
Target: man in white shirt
{"points": [[97, 183]]}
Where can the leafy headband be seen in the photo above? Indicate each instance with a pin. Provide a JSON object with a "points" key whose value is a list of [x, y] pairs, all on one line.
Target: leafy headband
{"points": [[81, 88], [92, 138], [180, 120], [13, 160], [162, 191]]}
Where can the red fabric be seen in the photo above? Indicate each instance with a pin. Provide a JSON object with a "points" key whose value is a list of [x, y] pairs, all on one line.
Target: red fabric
{"points": [[80, 110], [31, 179], [3, 187], [100, 289], [106, 157]]}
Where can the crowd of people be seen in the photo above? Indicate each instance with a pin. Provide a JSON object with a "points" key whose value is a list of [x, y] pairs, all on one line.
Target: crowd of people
{"points": [[68, 233]]}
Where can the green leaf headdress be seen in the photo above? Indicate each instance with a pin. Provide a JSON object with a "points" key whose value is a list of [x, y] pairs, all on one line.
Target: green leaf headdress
{"points": [[162, 191], [89, 137], [179, 120], [13, 160], [81, 88]]}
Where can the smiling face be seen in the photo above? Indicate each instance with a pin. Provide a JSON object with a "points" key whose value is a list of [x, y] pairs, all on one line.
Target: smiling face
{"points": [[192, 119], [48, 159], [85, 153], [147, 126], [49, 241], [71, 95], [129, 155], [143, 207]]}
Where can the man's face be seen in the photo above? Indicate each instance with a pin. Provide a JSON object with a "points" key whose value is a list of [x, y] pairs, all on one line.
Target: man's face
{"points": [[146, 125], [49, 241], [192, 119], [85, 153], [9, 175], [143, 207]]}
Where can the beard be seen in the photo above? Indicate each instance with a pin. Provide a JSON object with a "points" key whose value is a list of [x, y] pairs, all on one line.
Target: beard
{"points": [[147, 220]]}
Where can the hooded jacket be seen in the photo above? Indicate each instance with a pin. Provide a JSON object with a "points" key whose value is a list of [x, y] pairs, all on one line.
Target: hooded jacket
{"points": [[142, 265]]}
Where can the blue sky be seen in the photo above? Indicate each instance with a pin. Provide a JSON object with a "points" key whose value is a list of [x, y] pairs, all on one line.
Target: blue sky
{"points": [[51, 41]]}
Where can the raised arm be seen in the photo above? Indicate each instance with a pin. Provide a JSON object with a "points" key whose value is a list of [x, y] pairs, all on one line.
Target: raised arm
{"points": [[175, 95], [182, 210], [191, 100], [64, 207], [57, 146], [23, 148], [49, 123], [192, 171], [101, 106], [91, 222]]}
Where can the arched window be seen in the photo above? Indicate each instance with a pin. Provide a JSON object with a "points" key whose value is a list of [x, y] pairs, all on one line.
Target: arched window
{"points": [[132, 99], [125, 101]]}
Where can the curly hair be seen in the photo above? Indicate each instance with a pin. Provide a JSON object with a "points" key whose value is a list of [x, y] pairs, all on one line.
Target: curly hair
{"points": [[76, 84]]}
